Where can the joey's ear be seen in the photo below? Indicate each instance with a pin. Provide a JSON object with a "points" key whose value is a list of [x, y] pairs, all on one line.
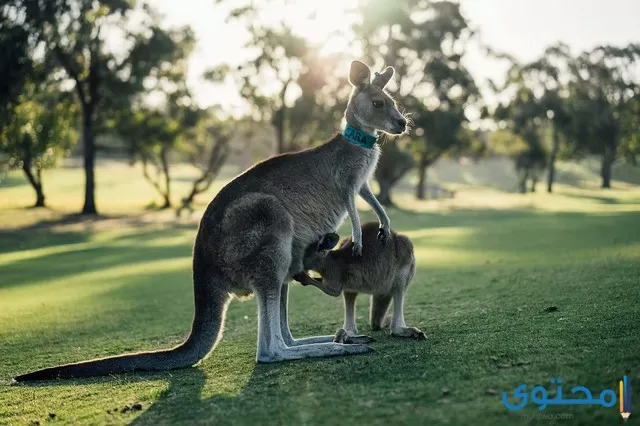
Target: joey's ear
{"points": [[381, 79], [359, 74], [332, 240], [328, 241]]}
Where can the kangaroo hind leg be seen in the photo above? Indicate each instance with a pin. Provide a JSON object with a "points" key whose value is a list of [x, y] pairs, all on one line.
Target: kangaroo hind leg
{"points": [[265, 261], [398, 326]]}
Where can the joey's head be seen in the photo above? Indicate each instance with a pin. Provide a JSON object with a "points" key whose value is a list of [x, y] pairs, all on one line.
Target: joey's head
{"points": [[316, 254], [370, 107]]}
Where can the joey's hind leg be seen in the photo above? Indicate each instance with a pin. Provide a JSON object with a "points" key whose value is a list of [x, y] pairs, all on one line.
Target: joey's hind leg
{"points": [[378, 311], [398, 326], [349, 332]]}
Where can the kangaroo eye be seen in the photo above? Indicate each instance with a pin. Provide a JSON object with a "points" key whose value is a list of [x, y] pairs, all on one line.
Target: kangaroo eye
{"points": [[378, 104]]}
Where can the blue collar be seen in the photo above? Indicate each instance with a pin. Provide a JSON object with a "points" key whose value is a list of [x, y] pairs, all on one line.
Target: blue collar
{"points": [[358, 137]]}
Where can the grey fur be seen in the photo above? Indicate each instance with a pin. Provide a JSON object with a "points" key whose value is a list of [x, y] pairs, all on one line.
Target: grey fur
{"points": [[252, 238], [384, 271]]}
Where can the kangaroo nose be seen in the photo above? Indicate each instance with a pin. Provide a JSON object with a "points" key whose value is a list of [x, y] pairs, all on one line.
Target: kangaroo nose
{"points": [[401, 122]]}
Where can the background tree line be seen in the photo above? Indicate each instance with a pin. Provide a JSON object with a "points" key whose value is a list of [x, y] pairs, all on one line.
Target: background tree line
{"points": [[64, 80]]}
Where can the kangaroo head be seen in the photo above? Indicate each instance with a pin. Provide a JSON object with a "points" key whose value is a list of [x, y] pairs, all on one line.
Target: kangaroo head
{"points": [[370, 108]]}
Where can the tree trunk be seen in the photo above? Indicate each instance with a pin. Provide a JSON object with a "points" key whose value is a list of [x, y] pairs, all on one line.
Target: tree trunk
{"points": [[36, 183], [280, 130], [534, 182], [384, 196], [39, 198], [89, 149], [422, 180], [39, 191], [523, 181], [279, 119], [551, 167], [605, 170], [167, 178]]}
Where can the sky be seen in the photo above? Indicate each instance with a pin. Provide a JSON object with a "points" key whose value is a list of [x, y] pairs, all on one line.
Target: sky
{"points": [[522, 28]]}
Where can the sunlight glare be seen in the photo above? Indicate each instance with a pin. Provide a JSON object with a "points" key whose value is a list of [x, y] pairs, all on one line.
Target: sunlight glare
{"points": [[326, 24]]}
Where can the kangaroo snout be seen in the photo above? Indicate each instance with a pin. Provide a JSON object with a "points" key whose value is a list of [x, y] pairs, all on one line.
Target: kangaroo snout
{"points": [[401, 125]]}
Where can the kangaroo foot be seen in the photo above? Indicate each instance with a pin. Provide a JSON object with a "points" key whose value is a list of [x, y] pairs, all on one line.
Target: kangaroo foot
{"points": [[343, 337], [409, 332]]}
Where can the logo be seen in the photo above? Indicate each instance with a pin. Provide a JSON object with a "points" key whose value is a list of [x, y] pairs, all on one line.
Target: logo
{"points": [[581, 395], [625, 398]]}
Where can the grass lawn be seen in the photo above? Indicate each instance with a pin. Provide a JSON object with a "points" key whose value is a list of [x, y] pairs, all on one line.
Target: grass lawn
{"points": [[490, 265]]}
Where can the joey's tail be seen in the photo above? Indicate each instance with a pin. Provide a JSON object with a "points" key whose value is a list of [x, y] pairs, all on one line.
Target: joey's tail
{"points": [[210, 307]]}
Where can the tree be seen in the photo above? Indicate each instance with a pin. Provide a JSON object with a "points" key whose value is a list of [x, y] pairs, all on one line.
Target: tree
{"points": [[630, 130], [425, 42], [17, 64], [152, 135], [286, 83], [394, 163], [207, 151], [40, 130], [604, 90], [524, 114], [105, 75], [522, 117], [549, 75]]}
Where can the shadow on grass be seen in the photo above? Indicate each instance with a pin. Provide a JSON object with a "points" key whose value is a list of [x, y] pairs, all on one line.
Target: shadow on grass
{"points": [[483, 229], [45, 233], [12, 180], [281, 393], [84, 259], [604, 200]]}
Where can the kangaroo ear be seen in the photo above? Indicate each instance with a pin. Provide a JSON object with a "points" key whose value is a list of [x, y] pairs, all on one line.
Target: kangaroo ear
{"points": [[381, 79], [359, 74]]}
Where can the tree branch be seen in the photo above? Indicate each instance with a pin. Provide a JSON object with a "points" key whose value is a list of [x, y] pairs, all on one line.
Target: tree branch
{"points": [[217, 157], [401, 171], [94, 69], [148, 177], [72, 71]]}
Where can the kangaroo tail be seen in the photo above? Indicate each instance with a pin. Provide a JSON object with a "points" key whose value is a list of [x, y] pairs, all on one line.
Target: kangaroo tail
{"points": [[210, 308]]}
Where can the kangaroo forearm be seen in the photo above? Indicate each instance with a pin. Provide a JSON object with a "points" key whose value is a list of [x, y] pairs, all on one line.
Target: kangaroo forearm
{"points": [[352, 211], [368, 196]]}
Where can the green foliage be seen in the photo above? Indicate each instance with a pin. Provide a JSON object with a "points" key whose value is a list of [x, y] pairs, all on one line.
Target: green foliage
{"points": [[537, 112], [207, 150], [40, 129], [424, 42], [505, 142], [630, 130], [286, 83], [152, 136], [106, 80], [604, 89], [16, 64], [396, 161]]}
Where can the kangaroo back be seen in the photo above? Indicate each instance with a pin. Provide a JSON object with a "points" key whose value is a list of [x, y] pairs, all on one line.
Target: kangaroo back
{"points": [[404, 250]]}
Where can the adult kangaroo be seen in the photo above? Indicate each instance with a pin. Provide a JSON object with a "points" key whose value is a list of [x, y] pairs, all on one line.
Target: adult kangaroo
{"points": [[253, 235]]}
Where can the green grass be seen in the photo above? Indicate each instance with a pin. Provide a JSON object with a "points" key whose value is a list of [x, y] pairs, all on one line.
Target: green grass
{"points": [[489, 264]]}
